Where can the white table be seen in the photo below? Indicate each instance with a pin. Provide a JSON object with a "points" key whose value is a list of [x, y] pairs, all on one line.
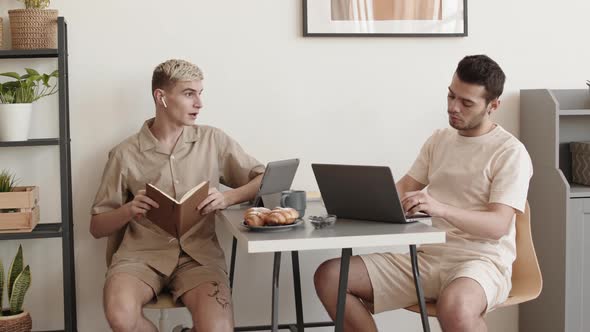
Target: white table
{"points": [[345, 234]]}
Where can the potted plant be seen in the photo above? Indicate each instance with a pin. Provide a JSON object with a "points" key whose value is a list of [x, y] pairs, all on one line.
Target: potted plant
{"points": [[16, 98], [33, 27], [18, 281]]}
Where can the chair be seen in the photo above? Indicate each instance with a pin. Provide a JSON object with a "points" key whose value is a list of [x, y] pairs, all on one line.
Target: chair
{"points": [[164, 300], [527, 281]]}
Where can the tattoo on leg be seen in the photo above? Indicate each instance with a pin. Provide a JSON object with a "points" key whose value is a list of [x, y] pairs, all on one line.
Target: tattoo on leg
{"points": [[220, 297]]}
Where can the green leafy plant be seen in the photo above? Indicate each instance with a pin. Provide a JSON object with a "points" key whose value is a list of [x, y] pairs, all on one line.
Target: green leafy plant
{"points": [[27, 88], [17, 284], [36, 4], [7, 181]]}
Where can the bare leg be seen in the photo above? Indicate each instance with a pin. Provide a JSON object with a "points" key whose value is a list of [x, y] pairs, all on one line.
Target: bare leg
{"points": [[356, 315], [124, 297], [460, 306], [210, 307]]}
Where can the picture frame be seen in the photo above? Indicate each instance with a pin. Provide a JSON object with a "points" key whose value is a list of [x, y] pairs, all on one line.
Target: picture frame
{"points": [[385, 18]]}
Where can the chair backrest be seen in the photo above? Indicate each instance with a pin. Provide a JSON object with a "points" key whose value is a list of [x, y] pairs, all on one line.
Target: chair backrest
{"points": [[527, 281]]}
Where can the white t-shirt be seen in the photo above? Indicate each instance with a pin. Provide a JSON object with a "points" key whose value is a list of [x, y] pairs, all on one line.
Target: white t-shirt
{"points": [[469, 173]]}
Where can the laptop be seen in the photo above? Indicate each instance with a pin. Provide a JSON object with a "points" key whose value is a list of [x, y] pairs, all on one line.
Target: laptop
{"points": [[361, 192], [277, 177]]}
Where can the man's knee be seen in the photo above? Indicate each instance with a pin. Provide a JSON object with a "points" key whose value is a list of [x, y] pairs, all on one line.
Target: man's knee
{"points": [[456, 313], [122, 315], [326, 275], [122, 308]]}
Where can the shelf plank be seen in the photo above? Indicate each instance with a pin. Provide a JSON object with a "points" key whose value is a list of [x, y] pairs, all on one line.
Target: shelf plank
{"points": [[579, 191], [32, 142], [584, 111], [28, 54], [48, 230]]}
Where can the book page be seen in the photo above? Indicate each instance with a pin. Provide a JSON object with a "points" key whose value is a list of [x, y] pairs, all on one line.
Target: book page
{"points": [[189, 212], [165, 194], [190, 192]]}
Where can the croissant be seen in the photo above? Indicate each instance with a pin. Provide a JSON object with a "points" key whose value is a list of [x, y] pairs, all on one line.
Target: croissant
{"points": [[281, 216], [292, 212], [256, 216], [257, 209]]}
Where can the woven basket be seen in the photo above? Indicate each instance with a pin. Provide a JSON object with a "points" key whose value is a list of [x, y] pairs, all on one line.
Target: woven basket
{"points": [[33, 28], [17, 323]]}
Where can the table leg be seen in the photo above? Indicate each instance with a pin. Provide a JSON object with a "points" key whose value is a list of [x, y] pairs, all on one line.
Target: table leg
{"points": [[275, 292], [343, 284], [232, 264], [297, 288], [419, 292]]}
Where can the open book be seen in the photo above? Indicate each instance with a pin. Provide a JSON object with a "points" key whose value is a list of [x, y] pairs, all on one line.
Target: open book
{"points": [[176, 217]]}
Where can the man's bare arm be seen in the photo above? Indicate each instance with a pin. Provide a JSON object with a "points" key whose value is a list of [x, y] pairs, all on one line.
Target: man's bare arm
{"points": [[492, 223], [107, 223], [219, 201], [407, 184]]}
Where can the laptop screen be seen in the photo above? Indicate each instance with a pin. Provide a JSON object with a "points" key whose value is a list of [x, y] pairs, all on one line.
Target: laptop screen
{"points": [[359, 192]]}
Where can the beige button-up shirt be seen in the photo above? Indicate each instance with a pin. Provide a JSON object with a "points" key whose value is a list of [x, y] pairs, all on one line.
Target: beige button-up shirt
{"points": [[201, 153]]}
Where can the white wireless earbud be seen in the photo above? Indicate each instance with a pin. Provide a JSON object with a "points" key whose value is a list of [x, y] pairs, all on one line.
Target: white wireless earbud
{"points": [[164, 102]]}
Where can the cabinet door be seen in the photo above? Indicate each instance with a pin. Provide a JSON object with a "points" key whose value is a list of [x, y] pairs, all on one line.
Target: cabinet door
{"points": [[578, 266]]}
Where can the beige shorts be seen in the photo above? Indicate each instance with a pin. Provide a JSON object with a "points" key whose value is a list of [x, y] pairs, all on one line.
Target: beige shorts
{"points": [[187, 275], [393, 282]]}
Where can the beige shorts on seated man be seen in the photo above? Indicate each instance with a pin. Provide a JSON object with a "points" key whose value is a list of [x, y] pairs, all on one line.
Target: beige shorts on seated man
{"points": [[175, 155], [472, 179]]}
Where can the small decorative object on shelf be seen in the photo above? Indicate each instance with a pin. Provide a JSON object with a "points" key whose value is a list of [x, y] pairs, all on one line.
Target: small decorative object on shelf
{"points": [[34, 27], [19, 206], [588, 84], [18, 280], [16, 101]]}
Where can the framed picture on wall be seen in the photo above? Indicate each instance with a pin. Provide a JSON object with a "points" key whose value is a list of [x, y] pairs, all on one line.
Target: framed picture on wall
{"points": [[374, 18]]}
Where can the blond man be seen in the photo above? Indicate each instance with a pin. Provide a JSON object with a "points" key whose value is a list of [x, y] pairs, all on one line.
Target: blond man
{"points": [[174, 154]]}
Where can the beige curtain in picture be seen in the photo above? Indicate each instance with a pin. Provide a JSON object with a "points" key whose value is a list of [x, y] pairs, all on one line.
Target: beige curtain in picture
{"points": [[386, 10]]}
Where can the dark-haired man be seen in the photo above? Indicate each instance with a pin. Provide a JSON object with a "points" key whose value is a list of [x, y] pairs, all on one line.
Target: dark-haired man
{"points": [[472, 179]]}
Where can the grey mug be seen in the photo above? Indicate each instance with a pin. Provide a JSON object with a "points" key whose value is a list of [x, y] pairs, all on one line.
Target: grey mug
{"points": [[295, 199]]}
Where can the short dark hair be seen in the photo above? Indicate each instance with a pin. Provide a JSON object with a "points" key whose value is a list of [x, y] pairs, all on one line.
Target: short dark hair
{"points": [[482, 70]]}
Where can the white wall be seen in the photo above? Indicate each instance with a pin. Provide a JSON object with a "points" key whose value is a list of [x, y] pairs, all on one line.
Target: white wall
{"points": [[341, 100]]}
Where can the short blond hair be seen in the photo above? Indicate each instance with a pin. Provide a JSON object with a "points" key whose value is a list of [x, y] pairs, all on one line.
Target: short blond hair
{"points": [[174, 70]]}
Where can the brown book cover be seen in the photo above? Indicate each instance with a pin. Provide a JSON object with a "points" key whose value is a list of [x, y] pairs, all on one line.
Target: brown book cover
{"points": [[176, 217]]}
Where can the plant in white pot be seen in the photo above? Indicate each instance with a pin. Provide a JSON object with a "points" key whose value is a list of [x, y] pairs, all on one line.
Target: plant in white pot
{"points": [[33, 27], [18, 281], [16, 101]]}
